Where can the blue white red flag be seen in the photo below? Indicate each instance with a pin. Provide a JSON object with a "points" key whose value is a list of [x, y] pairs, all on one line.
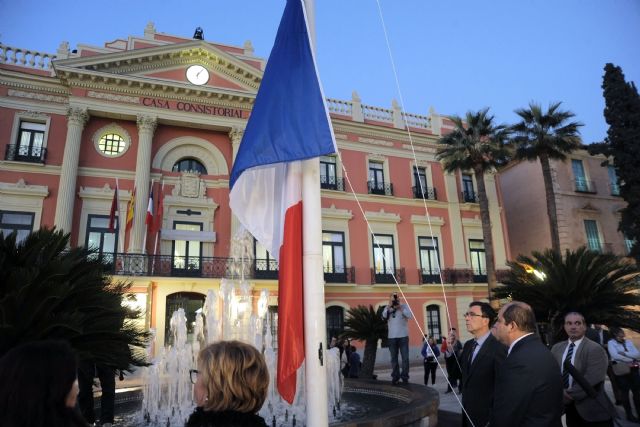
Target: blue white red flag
{"points": [[289, 123], [149, 219]]}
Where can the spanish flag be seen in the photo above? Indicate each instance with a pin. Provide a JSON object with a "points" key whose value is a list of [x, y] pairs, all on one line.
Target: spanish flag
{"points": [[130, 207]]}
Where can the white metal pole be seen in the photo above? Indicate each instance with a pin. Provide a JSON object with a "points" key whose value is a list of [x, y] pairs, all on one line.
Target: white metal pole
{"points": [[313, 289]]}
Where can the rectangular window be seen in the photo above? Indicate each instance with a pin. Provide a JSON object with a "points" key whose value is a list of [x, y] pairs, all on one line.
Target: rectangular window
{"points": [[333, 256], [579, 175], [29, 147], [593, 237], [613, 181], [478, 260], [433, 322], [266, 267], [328, 173], [468, 192], [383, 258], [186, 253], [19, 222], [100, 239], [376, 178], [429, 259], [628, 243]]}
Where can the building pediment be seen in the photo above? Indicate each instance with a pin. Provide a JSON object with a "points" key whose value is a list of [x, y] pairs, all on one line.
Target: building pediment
{"points": [[163, 67]]}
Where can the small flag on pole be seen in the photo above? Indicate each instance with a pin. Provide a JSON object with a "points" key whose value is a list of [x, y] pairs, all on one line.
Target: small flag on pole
{"points": [[289, 123], [130, 209], [149, 219], [114, 209], [159, 212]]}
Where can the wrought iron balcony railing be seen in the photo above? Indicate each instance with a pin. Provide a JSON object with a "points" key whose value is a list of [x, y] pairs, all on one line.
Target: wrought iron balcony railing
{"points": [[428, 277], [339, 274], [24, 153], [387, 275], [380, 188], [331, 183], [170, 266], [470, 196], [429, 193], [265, 269], [584, 186]]}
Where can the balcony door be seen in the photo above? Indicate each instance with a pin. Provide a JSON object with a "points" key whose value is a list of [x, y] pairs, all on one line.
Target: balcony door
{"points": [[186, 254]]}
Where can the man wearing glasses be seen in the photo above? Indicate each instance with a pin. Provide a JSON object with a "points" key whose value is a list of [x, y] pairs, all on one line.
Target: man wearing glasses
{"points": [[481, 359]]}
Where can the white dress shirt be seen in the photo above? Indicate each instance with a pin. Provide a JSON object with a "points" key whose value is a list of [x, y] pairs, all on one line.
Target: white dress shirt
{"points": [[615, 349], [576, 344]]}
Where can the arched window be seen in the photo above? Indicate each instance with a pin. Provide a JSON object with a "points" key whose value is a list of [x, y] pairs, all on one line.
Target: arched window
{"points": [[433, 322], [189, 165], [192, 303], [335, 321]]}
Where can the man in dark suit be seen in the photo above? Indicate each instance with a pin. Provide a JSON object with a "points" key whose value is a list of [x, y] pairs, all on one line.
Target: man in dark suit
{"points": [[481, 359], [591, 361], [528, 389]]}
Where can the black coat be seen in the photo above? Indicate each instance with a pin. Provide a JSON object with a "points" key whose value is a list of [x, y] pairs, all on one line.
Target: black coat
{"points": [[528, 388], [478, 379], [202, 418]]}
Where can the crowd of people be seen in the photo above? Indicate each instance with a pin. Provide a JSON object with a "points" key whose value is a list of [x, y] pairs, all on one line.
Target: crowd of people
{"points": [[508, 377]]}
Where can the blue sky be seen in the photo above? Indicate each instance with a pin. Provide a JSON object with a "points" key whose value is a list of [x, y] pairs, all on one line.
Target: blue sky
{"points": [[454, 55]]}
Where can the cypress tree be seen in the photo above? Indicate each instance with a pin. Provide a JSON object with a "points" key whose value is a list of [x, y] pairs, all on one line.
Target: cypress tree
{"points": [[622, 113]]}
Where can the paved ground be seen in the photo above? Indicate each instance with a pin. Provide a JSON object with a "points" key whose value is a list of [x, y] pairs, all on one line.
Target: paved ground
{"points": [[450, 411]]}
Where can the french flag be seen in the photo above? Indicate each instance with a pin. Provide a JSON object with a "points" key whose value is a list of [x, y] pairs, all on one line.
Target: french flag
{"points": [[289, 123], [149, 219]]}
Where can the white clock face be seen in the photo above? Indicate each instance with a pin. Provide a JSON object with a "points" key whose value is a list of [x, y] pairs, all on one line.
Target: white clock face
{"points": [[197, 74]]}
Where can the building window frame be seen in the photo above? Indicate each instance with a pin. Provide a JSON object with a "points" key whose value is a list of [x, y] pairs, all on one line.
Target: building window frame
{"points": [[104, 132], [333, 264], [107, 257], [189, 164], [329, 173], [428, 253], [592, 235], [335, 315], [265, 265], [37, 156], [22, 230], [580, 177], [478, 260], [434, 322], [385, 254], [614, 183], [191, 265], [469, 194]]}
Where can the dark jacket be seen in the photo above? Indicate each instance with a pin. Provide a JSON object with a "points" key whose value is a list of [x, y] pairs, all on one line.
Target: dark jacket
{"points": [[528, 387], [479, 378], [202, 418]]}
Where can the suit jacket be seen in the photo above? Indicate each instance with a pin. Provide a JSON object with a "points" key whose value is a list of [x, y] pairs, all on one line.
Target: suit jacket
{"points": [[594, 335], [478, 380], [528, 387], [591, 361]]}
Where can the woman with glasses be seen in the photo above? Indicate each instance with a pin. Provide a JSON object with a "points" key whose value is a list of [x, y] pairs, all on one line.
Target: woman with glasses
{"points": [[230, 386]]}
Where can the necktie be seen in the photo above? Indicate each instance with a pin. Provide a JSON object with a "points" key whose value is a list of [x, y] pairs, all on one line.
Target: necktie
{"points": [[474, 344], [565, 372]]}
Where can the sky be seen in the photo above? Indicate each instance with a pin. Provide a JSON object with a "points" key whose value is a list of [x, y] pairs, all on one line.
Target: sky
{"points": [[452, 55]]}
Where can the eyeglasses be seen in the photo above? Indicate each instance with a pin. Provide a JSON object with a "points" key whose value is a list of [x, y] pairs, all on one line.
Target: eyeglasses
{"points": [[472, 314], [193, 375]]}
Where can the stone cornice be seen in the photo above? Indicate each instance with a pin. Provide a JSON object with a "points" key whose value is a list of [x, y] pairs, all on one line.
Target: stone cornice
{"points": [[106, 193], [21, 188], [333, 213], [386, 200], [12, 166], [382, 216], [423, 220], [389, 133]]}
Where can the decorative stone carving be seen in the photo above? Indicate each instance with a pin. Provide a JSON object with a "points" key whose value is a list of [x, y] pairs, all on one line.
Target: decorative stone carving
{"points": [[112, 97], [38, 96], [236, 135], [147, 123], [190, 185], [77, 116]]}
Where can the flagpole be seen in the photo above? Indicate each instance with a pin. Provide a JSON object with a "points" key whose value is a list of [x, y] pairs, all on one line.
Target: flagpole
{"points": [[120, 239], [313, 279]]}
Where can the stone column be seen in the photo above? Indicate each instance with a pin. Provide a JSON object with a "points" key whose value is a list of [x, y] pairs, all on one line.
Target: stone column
{"points": [[236, 137], [76, 119], [146, 128]]}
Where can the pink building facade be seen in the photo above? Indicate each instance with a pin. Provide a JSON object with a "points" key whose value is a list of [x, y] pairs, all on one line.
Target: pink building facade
{"points": [[157, 108]]}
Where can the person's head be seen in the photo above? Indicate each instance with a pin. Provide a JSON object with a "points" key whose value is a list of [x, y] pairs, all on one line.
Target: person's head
{"points": [[575, 325], [43, 383], [431, 341], [479, 318], [232, 376], [617, 333], [334, 342], [515, 319]]}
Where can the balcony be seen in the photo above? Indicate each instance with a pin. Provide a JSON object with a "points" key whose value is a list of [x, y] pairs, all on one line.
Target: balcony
{"points": [[169, 266], [428, 277], [380, 188], [470, 196], [340, 274], [266, 269], [429, 193], [584, 186], [23, 153], [331, 183], [387, 276]]}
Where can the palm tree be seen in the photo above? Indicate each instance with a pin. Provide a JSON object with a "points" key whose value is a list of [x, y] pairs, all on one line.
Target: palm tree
{"points": [[48, 291], [477, 144], [365, 324], [546, 136], [603, 287]]}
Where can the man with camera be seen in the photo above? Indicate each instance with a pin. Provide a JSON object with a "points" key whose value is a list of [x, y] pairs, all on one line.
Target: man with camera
{"points": [[397, 316]]}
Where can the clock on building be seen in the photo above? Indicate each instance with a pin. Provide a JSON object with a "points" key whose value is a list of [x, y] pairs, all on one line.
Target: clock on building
{"points": [[197, 74]]}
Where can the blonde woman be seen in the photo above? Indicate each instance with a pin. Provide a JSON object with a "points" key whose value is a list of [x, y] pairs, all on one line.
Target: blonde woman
{"points": [[230, 386]]}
